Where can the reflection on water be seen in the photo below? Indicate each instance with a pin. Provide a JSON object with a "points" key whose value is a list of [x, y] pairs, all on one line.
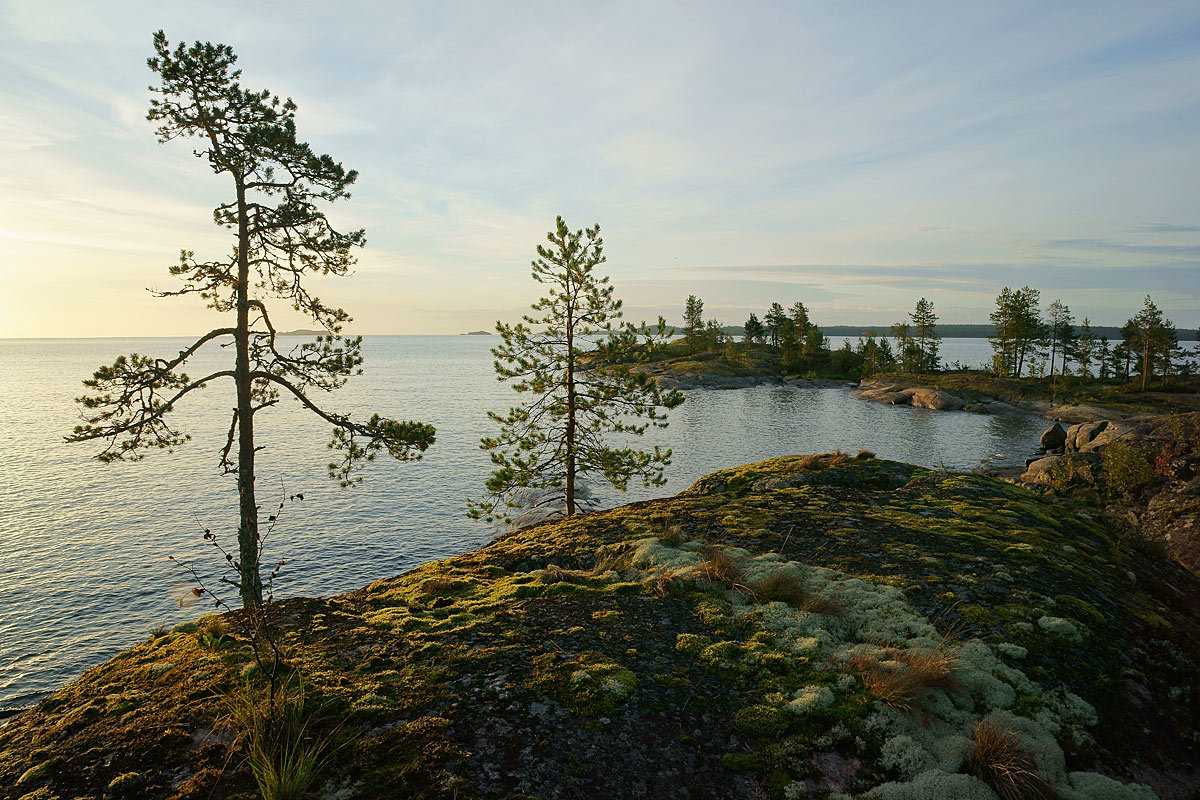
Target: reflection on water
{"points": [[83, 562]]}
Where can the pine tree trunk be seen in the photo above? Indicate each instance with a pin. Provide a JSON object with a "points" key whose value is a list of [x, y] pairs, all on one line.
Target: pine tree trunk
{"points": [[1145, 359], [251, 584], [570, 488]]}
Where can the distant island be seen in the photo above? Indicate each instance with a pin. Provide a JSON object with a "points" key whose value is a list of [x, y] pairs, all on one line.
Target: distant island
{"points": [[476, 333], [303, 332]]}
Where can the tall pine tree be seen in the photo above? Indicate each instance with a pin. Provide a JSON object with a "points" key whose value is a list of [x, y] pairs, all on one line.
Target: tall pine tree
{"points": [[281, 239]]}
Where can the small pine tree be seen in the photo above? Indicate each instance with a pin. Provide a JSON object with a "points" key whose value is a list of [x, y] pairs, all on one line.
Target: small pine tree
{"points": [[693, 322], [581, 393], [925, 336]]}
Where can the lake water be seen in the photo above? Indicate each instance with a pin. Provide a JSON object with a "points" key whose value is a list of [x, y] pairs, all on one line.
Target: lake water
{"points": [[84, 545]]}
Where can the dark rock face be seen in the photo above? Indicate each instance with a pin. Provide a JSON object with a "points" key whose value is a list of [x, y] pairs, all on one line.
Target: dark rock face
{"points": [[1054, 438]]}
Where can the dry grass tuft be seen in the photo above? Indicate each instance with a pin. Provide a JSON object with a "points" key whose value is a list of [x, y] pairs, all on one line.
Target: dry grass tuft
{"points": [[608, 560], [903, 677], [787, 587], [838, 457], [556, 574], [808, 462], [719, 567], [864, 454], [665, 582], [285, 752], [1001, 759]]}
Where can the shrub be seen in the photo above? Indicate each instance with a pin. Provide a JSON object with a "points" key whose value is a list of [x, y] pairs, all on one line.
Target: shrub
{"points": [[1000, 758], [1127, 470], [865, 454]]}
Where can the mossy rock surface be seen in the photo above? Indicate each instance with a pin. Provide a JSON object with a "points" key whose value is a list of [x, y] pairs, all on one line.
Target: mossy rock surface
{"points": [[591, 658]]}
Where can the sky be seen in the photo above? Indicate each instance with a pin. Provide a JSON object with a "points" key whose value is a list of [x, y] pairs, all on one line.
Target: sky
{"points": [[853, 156]]}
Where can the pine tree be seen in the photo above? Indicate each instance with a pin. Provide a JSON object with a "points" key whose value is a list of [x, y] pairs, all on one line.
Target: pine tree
{"points": [[1152, 339], [580, 394], [281, 238], [1019, 331], [693, 322], [1059, 323], [774, 318], [925, 336], [1086, 348], [753, 330]]}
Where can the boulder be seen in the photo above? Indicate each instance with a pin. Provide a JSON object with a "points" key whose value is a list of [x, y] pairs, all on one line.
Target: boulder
{"points": [[533, 506], [1054, 438], [936, 399], [1082, 433], [1077, 468]]}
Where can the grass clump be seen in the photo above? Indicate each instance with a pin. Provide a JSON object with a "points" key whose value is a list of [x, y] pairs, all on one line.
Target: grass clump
{"points": [[902, 678], [788, 587], [719, 567], [284, 750], [1001, 759]]}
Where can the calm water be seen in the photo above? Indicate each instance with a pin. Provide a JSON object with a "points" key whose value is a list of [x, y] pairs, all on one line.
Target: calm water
{"points": [[84, 546]]}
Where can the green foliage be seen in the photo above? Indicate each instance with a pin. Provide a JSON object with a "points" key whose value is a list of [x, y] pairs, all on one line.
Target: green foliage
{"points": [[1151, 339], [1019, 331], [693, 322], [1127, 470], [581, 393], [925, 338]]}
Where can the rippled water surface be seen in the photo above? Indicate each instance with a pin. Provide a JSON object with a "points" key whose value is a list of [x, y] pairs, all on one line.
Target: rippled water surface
{"points": [[84, 546]]}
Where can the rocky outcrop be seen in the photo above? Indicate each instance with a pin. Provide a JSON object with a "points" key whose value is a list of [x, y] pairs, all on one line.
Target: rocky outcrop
{"points": [[918, 397], [534, 506], [799, 627], [676, 379], [1081, 435]]}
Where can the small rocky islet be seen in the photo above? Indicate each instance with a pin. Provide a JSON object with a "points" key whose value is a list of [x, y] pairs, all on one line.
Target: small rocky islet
{"points": [[810, 626]]}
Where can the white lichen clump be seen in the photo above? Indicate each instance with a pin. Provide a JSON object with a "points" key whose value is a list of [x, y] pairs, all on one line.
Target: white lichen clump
{"points": [[927, 746], [1061, 627]]}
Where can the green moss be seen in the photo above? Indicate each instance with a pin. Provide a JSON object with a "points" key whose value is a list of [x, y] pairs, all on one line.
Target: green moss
{"points": [[124, 782], [35, 774], [590, 684], [741, 762], [761, 721]]}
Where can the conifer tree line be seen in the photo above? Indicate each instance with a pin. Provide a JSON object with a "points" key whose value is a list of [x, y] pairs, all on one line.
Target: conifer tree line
{"points": [[804, 349], [1027, 342]]}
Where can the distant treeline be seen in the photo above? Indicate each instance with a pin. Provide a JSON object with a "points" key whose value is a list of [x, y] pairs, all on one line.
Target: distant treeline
{"points": [[948, 331]]}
